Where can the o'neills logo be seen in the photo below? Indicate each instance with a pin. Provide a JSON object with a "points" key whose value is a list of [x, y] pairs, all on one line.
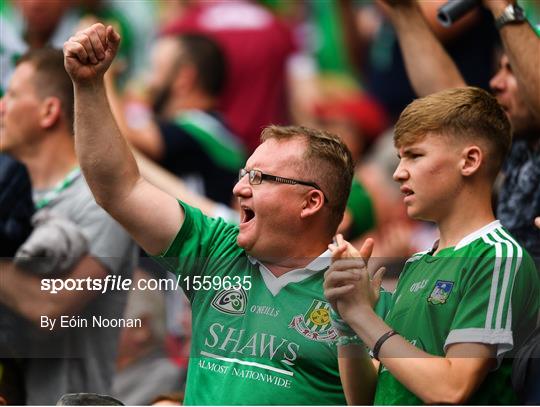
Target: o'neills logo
{"points": [[231, 301], [315, 323]]}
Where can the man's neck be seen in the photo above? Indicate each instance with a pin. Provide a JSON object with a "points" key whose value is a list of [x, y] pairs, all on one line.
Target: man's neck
{"points": [[36, 40], [50, 162], [469, 215]]}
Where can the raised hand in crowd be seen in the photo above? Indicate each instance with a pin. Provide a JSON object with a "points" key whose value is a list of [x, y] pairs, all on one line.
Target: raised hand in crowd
{"points": [[105, 157], [90, 52]]}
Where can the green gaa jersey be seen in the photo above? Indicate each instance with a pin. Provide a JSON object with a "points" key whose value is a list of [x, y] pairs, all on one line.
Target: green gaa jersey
{"points": [[257, 338], [483, 290]]}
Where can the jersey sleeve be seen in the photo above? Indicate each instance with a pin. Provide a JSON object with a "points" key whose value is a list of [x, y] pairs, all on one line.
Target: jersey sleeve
{"points": [[200, 241], [488, 302], [383, 305]]}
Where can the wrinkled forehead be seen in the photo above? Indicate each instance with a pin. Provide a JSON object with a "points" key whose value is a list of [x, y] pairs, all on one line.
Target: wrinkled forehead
{"points": [[274, 154]]}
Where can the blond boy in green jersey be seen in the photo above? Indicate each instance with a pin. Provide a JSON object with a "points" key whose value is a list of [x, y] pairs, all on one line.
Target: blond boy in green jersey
{"points": [[463, 305]]}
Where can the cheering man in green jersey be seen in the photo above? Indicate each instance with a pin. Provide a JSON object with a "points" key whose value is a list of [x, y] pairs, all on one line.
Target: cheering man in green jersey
{"points": [[459, 307], [261, 325]]}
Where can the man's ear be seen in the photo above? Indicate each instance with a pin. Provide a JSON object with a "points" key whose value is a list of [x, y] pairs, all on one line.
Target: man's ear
{"points": [[472, 159], [313, 202], [51, 110]]}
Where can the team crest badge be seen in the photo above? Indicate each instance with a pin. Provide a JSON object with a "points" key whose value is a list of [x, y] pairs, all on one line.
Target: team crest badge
{"points": [[315, 323], [441, 292], [231, 301]]}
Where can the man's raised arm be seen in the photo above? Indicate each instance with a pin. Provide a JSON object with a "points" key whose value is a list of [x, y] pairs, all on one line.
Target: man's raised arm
{"points": [[151, 216], [522, 46]]}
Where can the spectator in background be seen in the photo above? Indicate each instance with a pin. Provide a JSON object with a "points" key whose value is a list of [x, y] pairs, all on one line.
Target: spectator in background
{"points": [[16, 205], [189, 138], [34, 24], [471, 43], [57, 239], [16, 210], [256, 45], [516, 86], [31, 24], [141, 350], [358, 121], [37, 122]]}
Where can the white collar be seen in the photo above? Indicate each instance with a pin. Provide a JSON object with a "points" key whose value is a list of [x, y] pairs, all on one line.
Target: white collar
{"points": [[490, 227], [275, 284]]}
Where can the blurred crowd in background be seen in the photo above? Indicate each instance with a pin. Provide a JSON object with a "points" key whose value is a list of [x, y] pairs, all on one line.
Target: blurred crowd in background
{"points": [[195, 83]]}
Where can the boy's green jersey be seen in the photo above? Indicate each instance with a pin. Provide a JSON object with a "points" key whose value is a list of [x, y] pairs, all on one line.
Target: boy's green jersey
{"points": [[483, 290], [268, 340]]}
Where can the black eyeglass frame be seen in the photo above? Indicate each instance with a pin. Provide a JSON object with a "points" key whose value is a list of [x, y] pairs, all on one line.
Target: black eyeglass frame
{"points": [[282, 180]]}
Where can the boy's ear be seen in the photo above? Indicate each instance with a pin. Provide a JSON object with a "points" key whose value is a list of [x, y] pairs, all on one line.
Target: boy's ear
{"points": [[472, 159]]}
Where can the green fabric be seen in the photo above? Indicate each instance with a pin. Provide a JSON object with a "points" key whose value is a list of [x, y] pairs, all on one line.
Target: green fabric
{"points": [[383, 306], [330, 51], [484, 290], [214, 138], [361, 209], [109, 14], [251, 347], [5, 7], [532, 11]]}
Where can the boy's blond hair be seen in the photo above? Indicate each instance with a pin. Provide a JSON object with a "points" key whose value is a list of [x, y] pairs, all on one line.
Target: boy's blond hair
{"points": [[467, 113]]}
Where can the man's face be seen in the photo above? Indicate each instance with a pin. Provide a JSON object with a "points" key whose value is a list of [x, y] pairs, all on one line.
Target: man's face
{"points": [[429, 175], [270, 211], [505, 88], [19, 112], [163, 72], [42, 16]]}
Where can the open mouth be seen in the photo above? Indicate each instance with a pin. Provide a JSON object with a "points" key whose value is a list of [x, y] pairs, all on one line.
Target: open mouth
{"points": [[247, 214]]}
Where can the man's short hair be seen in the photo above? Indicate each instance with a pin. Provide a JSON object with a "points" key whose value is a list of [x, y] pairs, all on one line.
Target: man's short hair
{"points": [[209, 61], [327, 161], [51, 78], [467, 113]]}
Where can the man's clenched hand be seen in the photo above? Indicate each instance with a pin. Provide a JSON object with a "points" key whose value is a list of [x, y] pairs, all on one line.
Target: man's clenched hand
{"points": [[90, 52]]}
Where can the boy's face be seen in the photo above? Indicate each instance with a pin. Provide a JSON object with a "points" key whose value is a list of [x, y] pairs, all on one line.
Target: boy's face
{"points": [[430, 177]]}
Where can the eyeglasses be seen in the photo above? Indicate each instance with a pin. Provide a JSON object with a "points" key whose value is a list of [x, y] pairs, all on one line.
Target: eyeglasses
{"points": [[257, 176]]}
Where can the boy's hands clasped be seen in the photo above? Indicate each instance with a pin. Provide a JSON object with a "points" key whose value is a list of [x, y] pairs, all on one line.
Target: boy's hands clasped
{"points": [[349, 285]]}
